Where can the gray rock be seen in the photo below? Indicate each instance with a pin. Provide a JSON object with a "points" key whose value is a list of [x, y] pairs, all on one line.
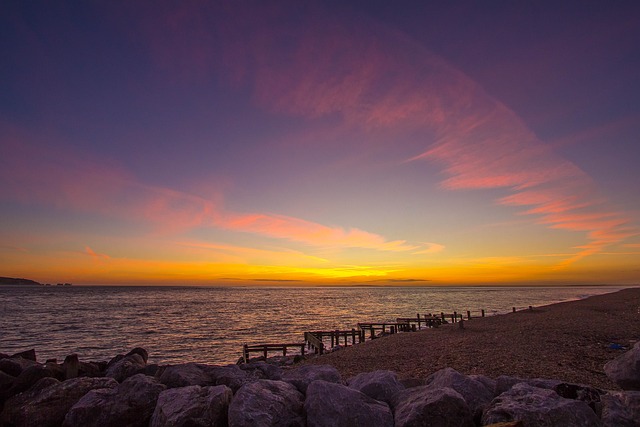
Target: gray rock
{"points": [[267, 370], [126, 367], [379, 385], [267, 403], [192, 406], [624, 370], [185, 375], [47, 403], [620, 409], [6, 380], [28, 355], [15, 366], [427, 406], [141, 352], [232, 376], [130, 404], [304, 375], [475, 393], [333, 405], [535, 406], [32, 375], [489, 383], [505, 382]]}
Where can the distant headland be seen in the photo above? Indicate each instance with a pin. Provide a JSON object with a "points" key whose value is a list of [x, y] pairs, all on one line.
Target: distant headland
{"points": [[12, 281]]}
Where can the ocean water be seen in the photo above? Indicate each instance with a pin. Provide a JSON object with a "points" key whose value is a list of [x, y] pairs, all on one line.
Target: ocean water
{"points": [[210, 325]]}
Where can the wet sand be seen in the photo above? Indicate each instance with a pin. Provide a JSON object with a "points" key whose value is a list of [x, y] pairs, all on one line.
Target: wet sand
{"points": [[569, 341]]}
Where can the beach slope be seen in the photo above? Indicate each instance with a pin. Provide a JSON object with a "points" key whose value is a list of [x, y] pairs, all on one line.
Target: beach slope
{"points": [[569, 341]]}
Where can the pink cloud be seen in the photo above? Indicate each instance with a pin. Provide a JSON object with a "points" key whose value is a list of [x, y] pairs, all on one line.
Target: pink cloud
{"points": [[67, 181]]}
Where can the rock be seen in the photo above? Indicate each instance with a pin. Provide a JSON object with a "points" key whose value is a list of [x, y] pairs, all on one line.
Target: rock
{"points": [[185, 375], [475, 393], [28, 355], [6, 381], [267, 370], [620, 409], [48, 402], [126, 367], [505, 382], [330, 404], [428, 406], [232, 376], [32, 375], [412, 382], [130, 404], [489, 383], [379, 385], [90, 369], [624, 370], [141, 352], [267, 403], [15, 366], [71, 366], [538, 407], [192, 406], [304, 375]]}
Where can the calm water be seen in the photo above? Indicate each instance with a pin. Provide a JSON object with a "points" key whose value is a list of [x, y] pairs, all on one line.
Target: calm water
{"points": [[209, 325]]}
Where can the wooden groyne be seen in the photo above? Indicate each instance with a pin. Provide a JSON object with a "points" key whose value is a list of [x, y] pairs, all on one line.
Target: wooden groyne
{"points": [[319, 342]]}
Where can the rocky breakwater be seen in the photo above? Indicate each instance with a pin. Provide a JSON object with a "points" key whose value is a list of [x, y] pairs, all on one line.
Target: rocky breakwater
{"points": [[129, 392]]}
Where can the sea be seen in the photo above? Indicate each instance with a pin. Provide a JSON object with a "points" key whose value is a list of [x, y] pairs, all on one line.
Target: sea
{"points": [[210, 324]]}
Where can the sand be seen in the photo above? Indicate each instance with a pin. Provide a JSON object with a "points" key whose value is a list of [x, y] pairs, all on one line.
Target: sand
{"points": [[569, 341]]}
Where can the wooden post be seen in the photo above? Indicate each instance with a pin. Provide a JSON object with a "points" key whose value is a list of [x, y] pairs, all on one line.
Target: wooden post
{"points": [[245, 353], [468, 315], [418, 315], [514, 309], [530, 308], [483, 312], [264, 349], [353, 336], [442, 314], [284, 351], [455, 317], [302, 350]]}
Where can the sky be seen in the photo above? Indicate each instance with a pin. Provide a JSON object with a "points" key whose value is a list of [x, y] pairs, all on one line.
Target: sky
{"points": [[330, 142]]}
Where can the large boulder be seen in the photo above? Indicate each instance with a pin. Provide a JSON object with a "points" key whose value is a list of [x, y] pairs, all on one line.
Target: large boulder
{"points": [[126, 367], [535, 406], [333, 405], [186, 374], [304, 375], [379, 385], [192, 406], [47, 403], [130, 404], [620, 409], [475, 393], [587, 394], [15, 366], [624, 370], [428, 406], [232, 376], [32, 375], [265, 370], [28, 355], [267, 403]]}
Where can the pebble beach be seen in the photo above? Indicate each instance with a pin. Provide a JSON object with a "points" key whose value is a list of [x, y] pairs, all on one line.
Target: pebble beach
{"points": [[570, 341]]}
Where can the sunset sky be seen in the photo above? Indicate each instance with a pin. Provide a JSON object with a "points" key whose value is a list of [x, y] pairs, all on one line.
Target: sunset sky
{"points": [[348, 142]]}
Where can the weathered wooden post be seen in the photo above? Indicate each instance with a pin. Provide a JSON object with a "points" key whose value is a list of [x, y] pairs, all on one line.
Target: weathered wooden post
{"points": [[245, 353], [483, 312], [468, 315], [514, 309], [418, 316], [455, 316], [530, 308], [443, 319], [353, 336], [265, 351]]}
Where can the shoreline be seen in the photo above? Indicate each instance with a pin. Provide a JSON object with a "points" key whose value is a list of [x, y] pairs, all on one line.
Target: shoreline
{"points": [[570, 341]]}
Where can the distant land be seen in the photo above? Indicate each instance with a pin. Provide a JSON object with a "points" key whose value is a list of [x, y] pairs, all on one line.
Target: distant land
{"points": [[22, 282]]}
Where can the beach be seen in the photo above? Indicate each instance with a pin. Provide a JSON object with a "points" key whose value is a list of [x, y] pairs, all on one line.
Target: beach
{"points": [[569, 341]]}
